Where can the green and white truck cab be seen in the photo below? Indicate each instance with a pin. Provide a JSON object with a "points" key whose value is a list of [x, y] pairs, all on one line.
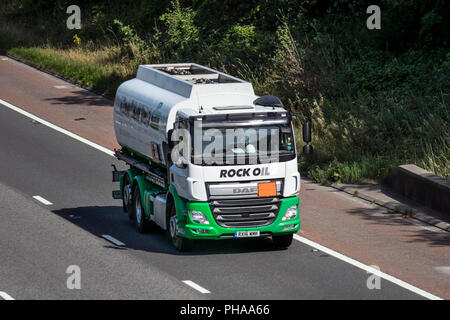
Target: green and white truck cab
{"points": [[207, 158]]}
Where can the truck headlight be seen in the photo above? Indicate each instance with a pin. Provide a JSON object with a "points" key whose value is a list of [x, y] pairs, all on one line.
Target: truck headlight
{"points": [[198, 217], [290, 213]]}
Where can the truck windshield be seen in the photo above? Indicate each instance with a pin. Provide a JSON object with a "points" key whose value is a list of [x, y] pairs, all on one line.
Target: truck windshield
{"points": [[243, 145]]}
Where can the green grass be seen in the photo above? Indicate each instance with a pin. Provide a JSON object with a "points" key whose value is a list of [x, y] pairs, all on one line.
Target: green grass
{"points": [[364, 170], [91, 68]]}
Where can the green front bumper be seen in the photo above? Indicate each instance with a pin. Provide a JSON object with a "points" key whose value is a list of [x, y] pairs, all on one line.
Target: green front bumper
{"points": [[191, 229]]}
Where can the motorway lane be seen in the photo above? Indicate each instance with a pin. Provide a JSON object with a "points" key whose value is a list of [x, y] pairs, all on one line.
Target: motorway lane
{"points": [[36, 160], [37, 248]]}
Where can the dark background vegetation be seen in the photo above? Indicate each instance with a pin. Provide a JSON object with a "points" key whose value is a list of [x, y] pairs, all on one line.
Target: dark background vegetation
{"points": [[377, 98]]}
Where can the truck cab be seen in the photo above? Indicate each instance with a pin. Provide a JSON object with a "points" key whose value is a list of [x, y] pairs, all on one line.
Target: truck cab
{"points": [[208, 159]]}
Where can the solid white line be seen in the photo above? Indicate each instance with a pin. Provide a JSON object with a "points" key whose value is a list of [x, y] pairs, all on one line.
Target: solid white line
{"points": [[54, 127], [5, 296], [196, 286], [113, 240], [367, 268], [42, 200]]}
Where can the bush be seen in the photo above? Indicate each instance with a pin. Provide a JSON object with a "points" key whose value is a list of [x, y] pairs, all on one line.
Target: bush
{"points": [[180, 27]]}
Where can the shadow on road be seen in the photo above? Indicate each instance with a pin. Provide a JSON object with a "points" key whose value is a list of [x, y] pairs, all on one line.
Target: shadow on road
{"points": [[111, 220], [81, 97], [379, 215]]}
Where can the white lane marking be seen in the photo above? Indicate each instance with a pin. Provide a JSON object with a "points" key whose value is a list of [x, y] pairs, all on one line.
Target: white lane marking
{"points": [[5, 296], [367, 268], [444, 270], [59, 129], [297, 237], [62, 87], [196, 286], [42, 200], [113, 240]]}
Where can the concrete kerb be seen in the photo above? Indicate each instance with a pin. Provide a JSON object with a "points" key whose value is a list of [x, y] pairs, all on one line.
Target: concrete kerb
{"points": [[421, 186]]}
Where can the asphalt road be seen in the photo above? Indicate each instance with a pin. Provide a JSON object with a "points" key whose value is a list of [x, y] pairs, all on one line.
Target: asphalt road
{"points": [[39, 242]]}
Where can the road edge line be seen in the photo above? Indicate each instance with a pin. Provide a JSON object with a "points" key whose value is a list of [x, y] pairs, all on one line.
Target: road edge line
{"points": [[367, 268], [57, 128]]}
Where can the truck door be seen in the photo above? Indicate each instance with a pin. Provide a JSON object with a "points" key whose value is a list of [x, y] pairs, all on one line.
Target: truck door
{"points": [[180, 157]]}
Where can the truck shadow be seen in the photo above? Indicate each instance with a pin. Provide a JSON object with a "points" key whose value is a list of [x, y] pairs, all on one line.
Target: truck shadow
{"points": [[112, 221], [411, 231]]}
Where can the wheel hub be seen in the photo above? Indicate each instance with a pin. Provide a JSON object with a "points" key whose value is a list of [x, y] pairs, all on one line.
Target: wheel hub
{"points": [[127, 192], [138, 210], [173, 227]]}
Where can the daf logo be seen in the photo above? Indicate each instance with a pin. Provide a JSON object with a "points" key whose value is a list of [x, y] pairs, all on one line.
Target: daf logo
{"points": [[245, 190], [257, 172]]}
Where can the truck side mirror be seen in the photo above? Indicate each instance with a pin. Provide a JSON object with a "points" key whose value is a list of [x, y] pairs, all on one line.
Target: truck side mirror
{"points": [[307, 149]]}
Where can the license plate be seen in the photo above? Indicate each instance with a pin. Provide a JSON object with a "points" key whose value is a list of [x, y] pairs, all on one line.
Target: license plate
{"points": [[246, 234]]}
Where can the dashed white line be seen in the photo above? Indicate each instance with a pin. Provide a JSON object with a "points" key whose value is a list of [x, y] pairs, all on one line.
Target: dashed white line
{"points": [[113, 240], [367, 268], [196, 286], [42, 200], [59, 129], [5, 296]]}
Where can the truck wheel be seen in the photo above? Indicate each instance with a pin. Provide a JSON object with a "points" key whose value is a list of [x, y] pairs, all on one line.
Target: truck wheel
{"points": [[282, 241], [127, 197], [142, 225], [178, 242]]}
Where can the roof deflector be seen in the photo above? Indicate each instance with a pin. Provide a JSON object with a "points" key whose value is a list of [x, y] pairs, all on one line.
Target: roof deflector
{"points": [[268, 101]]}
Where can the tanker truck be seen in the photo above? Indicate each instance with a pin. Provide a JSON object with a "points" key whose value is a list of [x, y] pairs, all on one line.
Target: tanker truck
{"points": [[207, 158]]}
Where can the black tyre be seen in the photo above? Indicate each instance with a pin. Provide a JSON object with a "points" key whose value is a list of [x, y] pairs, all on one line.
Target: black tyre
{"points": [[180, 243], [142, 224], [128, 196], [282, 241]]}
